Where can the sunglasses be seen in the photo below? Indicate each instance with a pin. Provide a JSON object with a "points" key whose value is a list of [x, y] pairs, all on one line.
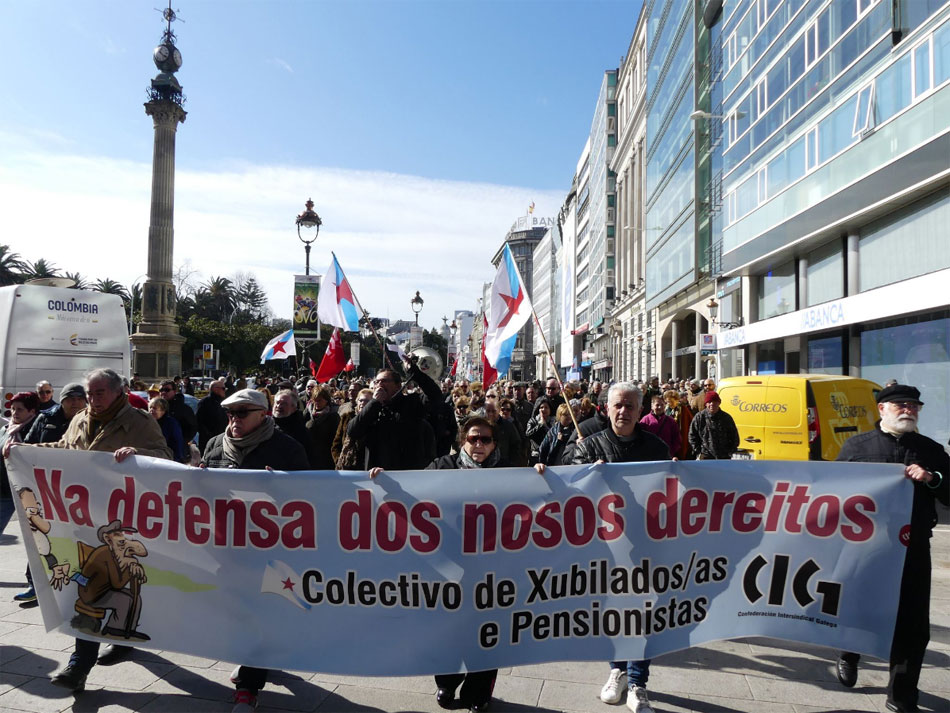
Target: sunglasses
{"points": [[474, 440], [242, 412]]}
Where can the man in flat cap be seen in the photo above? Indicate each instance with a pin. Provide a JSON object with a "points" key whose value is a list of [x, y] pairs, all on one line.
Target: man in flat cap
{"points": [[926, 465]]}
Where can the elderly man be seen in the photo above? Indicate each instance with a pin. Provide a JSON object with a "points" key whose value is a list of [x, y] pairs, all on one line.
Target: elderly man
{"points": [[395, 426], [927, 466], [210, 416], [289, 420], [625, 441], [713, 434], [107, 424], [44, 390], [252, 442]]}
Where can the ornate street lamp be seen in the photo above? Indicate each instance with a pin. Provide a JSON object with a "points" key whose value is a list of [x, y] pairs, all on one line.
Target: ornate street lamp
{"points": [[308, 227], [416, 303]]}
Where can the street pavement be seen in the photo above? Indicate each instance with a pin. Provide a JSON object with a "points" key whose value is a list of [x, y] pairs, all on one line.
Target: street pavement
{"points": [[750, 675]]}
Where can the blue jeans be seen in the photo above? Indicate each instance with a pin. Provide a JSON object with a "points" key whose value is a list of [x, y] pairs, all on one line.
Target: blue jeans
{"points": [[637, 671]]}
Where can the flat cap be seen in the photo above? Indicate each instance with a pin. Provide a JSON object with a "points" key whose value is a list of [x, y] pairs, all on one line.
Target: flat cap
{"points": [[899, 392], [247, 397]]}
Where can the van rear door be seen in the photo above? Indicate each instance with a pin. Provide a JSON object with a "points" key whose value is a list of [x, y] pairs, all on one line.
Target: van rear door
{"points": [[845, 408], [786, 425], [743, 401]]}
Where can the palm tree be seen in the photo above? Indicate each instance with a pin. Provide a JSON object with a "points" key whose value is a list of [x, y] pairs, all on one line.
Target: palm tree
{"points": [[111, 287], [41, 268], [79, 280], [216, 299], [12, 267]]}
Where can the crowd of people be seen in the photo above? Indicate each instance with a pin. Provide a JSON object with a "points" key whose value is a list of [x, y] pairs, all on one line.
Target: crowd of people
{"points": [[411, 422]]}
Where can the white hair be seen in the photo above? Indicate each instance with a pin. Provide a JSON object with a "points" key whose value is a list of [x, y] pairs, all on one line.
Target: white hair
{"points": [[625, 387]]}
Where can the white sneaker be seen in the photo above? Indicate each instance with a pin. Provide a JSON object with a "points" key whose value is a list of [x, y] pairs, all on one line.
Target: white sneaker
{"points": [[638, 701], [612, 691]]}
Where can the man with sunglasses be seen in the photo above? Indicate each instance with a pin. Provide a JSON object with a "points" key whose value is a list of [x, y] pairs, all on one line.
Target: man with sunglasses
{"points": [[396, 427], [252, 442], [179, 409], [927, 466], [44, 390]]}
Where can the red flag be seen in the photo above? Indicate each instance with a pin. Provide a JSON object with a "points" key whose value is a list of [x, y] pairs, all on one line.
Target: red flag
{"points": [[455, 364], [333, 361], [313, 368], [350, 366], [489, 374]]}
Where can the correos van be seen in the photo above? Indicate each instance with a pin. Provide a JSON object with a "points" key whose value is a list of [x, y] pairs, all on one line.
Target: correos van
{"points": [[58, 335], [798, 416]]}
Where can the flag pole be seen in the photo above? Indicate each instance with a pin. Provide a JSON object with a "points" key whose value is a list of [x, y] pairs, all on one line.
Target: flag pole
{"points": [[556, 375], [365, 315]]}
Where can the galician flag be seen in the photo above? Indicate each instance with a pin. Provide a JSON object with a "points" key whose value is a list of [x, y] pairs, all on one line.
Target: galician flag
{"points": [[280, 579], [336, 304], [508, 311], [280, 347]]}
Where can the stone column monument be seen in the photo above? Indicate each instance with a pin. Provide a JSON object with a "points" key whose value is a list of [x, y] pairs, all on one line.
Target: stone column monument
{"points": [[157, 343]]}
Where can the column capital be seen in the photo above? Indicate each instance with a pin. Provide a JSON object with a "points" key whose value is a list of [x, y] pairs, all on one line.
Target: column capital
{"points": [[165, 113]]}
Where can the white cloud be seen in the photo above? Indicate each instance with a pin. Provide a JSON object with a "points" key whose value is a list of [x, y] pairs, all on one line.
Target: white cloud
{"points": [[283, 64], [393, 234]]}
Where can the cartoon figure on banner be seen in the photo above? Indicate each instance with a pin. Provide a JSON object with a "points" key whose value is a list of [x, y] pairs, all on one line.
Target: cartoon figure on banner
{"points": [[39, 528], [109, 582]]}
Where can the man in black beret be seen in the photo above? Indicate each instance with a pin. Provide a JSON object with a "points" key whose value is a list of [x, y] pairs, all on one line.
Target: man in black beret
{"points": [[926, 465]]}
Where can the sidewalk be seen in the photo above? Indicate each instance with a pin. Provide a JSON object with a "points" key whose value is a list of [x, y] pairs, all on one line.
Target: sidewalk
{"points": [[754, 675]]}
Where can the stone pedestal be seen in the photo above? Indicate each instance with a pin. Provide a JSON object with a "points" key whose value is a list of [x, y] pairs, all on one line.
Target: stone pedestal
{"points": [[157, 344]]}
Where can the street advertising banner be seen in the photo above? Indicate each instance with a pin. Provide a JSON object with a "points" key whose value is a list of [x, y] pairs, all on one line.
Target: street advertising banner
{"points": [[306, 291], [466, 570]]}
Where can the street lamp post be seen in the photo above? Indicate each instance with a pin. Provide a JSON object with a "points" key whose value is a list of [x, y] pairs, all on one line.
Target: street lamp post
{"points": [[416, 303], [453, 330], [308, 227]]}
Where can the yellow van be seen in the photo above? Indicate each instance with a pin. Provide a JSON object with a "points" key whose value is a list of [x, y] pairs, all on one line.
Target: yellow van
{"points": [[798, 416]]}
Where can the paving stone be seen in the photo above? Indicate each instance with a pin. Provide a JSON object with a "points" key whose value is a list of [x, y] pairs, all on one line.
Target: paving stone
{"points": [[185, 659], [7, 626], [37, 695], [562, 695], [9, 681], [569, 671], [185, 704], [203, 683], [517, 689], [700, 682], [24, 615], [34, 636], [352, 698], [292, 693], [129, 675], [796, 692], [716, 704], [104, 700], [32, 663]]}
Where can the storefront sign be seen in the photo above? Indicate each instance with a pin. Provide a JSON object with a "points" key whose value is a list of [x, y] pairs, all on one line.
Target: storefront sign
{"points": [[914, 295]]}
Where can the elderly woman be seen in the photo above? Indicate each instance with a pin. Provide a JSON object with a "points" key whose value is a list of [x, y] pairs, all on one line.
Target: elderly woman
{"points": [[552, 447], [171, 429], [681, 413], [322, 426], [477, 437]]}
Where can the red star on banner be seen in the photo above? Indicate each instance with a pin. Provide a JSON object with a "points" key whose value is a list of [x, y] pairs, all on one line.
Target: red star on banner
{"points": [[288, 584], [513, 303], [279, 347]]}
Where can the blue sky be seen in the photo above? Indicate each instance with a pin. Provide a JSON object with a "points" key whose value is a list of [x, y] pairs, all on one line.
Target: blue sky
{"points": [[420, 129]]}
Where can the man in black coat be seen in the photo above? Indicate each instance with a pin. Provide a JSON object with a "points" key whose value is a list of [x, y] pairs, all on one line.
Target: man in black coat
{"points": [[180, 410], [211, 417], [927, 466], [252, 442], [625, 441], [396, 426], [289, 420]]}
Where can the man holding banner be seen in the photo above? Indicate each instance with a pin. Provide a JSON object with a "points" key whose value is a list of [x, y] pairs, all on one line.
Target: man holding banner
{"points": [[252, 442], [109, 423], [896, 440], [625, 441]]}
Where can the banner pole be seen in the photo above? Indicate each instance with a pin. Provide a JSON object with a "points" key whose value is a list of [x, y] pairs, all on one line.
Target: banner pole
{"points": [[554, 369]]}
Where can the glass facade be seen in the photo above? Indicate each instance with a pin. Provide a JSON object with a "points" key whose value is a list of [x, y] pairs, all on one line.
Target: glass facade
{"points": [[671, 172], [825, 273]]}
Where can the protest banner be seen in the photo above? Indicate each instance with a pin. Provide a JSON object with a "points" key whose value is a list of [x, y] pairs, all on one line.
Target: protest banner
{"points": [[464, 569]]}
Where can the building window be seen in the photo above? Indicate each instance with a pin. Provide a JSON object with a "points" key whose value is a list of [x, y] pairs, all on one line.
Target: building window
{"points": [[906, 243], [777, 291], [862, 112], [825, 273], [923, 70]]}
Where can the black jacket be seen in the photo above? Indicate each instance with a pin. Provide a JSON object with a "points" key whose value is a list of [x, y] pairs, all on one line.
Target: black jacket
{"points": [[48, 427], [320, 429], [451, 462], [184, 415], [211, 419], [293, 426], [607, 447], [398, 435], [911, 448], [589, 426], [281, 452]]}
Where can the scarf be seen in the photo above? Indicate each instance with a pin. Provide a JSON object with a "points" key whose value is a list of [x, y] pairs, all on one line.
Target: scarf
{"points": [[466, 461], [97, 421], [236, 449]]}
